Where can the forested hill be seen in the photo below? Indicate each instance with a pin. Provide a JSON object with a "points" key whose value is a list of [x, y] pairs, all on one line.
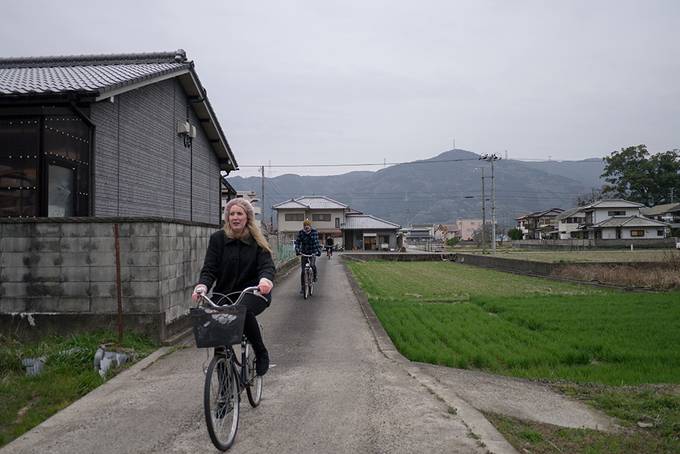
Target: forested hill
{"points": [[443, 188]]}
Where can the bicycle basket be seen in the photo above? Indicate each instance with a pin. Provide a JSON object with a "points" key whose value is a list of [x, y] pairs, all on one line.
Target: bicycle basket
{"points": [[217, 327]]}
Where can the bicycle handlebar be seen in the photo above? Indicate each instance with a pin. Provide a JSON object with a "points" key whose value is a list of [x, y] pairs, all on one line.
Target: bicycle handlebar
{"points": [[252, 290], [307, 255]]}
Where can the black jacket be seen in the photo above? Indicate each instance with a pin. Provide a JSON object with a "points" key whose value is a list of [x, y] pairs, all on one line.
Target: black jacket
{"points": [[233, 265]]}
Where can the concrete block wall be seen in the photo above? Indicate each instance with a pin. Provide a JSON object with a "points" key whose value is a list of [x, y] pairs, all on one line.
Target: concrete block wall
{"points": [[55, 268]]}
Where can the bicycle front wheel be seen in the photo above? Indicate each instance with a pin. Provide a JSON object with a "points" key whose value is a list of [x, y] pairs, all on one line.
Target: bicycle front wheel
{"points": [[221, 402], [254, 385]]}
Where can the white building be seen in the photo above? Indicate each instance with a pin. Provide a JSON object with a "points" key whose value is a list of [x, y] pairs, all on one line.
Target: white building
{"points": [[327, 216]]}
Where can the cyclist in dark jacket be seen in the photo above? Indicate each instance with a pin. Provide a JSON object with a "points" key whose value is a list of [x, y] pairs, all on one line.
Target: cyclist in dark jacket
{"points": [[239, 257], [307, 242]]}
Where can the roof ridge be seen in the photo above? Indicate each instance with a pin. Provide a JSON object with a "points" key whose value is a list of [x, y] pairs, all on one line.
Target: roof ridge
{"points": [[177, 56]]}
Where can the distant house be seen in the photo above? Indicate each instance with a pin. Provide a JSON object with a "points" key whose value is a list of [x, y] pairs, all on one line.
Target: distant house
{"points": [[444, 232], [539, 225], [629, 227], [419, 233], [327, 216], [668, 212], [369, 233], [569, 223], [598, 212], [466, 228]]}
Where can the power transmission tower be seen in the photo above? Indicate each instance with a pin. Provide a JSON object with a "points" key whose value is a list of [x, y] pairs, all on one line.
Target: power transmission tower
{"points": [[492, 158]]}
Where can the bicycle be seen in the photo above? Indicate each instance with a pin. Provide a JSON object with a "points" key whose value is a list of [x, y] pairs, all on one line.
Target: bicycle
{"points": [[308, 286], [329, 252], [221, 326]]}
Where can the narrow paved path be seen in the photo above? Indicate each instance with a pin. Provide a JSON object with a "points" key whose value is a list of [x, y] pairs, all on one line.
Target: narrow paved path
{"points": [[330, 390]]}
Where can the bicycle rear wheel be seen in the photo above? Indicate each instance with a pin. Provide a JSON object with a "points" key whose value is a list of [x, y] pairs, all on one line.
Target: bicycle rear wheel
{"points": [[254, 385], [221, 402]]}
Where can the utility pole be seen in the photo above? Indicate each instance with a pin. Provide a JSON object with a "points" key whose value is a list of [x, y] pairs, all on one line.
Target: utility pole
{"points": [[492, 158], [483, 215], [672, 191], [262, 218]]}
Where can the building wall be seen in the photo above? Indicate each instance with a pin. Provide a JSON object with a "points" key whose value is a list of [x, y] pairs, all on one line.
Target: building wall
{"points": [[142, 167], [467, 227], [650, 233], [56, 271], [354, 239], [294, 226], [601, 214]]}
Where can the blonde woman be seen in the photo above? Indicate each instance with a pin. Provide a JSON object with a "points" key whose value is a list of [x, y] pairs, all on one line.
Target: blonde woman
{"points": [[238, 257]]}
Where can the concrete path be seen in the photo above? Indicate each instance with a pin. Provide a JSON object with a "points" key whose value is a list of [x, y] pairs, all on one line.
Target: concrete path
{"points": [[331, 390]]}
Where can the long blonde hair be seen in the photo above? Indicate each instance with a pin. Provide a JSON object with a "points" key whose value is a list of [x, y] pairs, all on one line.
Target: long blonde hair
{"points": [[253, 229]]}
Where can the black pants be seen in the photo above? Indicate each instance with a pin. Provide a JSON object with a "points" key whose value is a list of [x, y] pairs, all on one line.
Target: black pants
{"points": [[252, 329], [303, 262]]}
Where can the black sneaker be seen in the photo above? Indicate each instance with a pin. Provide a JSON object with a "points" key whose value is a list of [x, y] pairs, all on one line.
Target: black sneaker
{"points": [[262, 362]]}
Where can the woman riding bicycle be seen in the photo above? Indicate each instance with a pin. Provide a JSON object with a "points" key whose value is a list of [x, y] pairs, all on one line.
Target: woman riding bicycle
{"points": [[238, 257]]}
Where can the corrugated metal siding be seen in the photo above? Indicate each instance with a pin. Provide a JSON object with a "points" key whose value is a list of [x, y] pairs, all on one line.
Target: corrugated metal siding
{"points": [[142, 167]]}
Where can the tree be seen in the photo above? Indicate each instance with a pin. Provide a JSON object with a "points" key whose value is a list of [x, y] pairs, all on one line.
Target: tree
{"points": [[634, 175], [515, 234]]}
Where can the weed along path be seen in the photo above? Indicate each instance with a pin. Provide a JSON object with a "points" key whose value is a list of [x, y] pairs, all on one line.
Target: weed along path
{"points": [[330, 389]]}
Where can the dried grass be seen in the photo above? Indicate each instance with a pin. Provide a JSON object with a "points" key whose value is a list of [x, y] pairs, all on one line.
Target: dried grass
{"points": [[657, 277]]}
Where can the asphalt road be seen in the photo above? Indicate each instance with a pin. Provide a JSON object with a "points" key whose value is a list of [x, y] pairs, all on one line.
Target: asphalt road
{"points": [[329, 390]]}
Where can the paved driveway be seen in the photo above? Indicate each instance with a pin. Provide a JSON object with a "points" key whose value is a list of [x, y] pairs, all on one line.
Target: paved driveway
{"points": [[330, 390]]}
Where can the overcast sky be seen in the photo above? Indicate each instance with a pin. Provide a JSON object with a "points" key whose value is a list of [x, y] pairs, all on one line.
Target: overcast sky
{"points": [[328, 82]]}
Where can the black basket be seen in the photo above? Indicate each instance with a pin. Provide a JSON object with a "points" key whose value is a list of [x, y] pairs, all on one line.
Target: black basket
{"points": [[217, 327]]}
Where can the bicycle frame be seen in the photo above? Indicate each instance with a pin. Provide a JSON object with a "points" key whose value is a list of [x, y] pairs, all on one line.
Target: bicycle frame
{"points": [[308, 274]]}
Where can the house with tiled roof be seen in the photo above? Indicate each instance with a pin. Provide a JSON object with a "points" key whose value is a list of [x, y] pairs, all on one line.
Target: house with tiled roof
{"points": [[111, 167], [327, 216], [109, 135], [667, 212], [349, 228]]}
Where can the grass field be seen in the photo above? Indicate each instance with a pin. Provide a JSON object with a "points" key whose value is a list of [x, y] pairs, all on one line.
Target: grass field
{"points": [[586, 341], [467, 317], [591, 256], [68, 375]]}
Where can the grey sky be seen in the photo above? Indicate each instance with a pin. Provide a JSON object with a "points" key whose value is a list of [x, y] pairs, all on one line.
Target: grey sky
{"points": [[336, 81]]}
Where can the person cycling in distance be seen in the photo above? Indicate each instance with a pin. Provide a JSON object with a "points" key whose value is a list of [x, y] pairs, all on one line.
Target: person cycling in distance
{"points": [[238, 257], [329, 246], [307, 242]]}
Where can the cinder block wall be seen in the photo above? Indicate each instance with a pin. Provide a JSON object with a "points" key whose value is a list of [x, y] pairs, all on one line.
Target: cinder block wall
{"points": [[57, 275]]}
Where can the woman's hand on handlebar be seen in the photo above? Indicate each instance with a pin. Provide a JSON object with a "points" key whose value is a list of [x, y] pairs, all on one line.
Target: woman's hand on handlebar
{"points": [[265, 286], [199, 290]]}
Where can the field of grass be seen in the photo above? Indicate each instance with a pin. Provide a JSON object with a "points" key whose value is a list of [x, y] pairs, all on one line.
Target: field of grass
{"points": [[595, 256], [68, 375], [467, 317]]}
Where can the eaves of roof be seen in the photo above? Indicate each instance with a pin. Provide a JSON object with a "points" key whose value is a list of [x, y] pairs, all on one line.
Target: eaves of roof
{"points": [[92, 78]]}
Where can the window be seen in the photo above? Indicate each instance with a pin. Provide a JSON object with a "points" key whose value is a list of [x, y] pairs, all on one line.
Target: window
{"points": [[337, 223], [295, 217], [19, 158], [616, 213], [660, 232], [325, 217], [637, 233], [52, 179]]}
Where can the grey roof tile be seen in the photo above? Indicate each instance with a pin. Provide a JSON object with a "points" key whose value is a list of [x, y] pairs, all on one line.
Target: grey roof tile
{"points": [[93, 74]]}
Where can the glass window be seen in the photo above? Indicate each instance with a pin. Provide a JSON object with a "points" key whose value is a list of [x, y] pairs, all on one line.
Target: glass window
{"points": [[19, 152], [60, 191], [337, 223], [616, 213], [637, 233], [295, 217], [325, 217], [659, 233]]}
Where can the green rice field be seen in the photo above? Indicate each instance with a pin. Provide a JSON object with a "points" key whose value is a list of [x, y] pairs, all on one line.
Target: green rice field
{"points": [[467, 317]]}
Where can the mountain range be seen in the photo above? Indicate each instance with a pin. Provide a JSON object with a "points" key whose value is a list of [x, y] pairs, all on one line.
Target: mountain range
{"points": [[443, 188]]}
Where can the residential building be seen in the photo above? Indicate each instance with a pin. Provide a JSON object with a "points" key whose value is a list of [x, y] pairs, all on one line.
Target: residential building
{"points": [[419, 234], [668, 212], [327, 216], [369, 233], [466, 228], [598, 212], [569, 223], [539, 224], [629, 228], [109, 135]]}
